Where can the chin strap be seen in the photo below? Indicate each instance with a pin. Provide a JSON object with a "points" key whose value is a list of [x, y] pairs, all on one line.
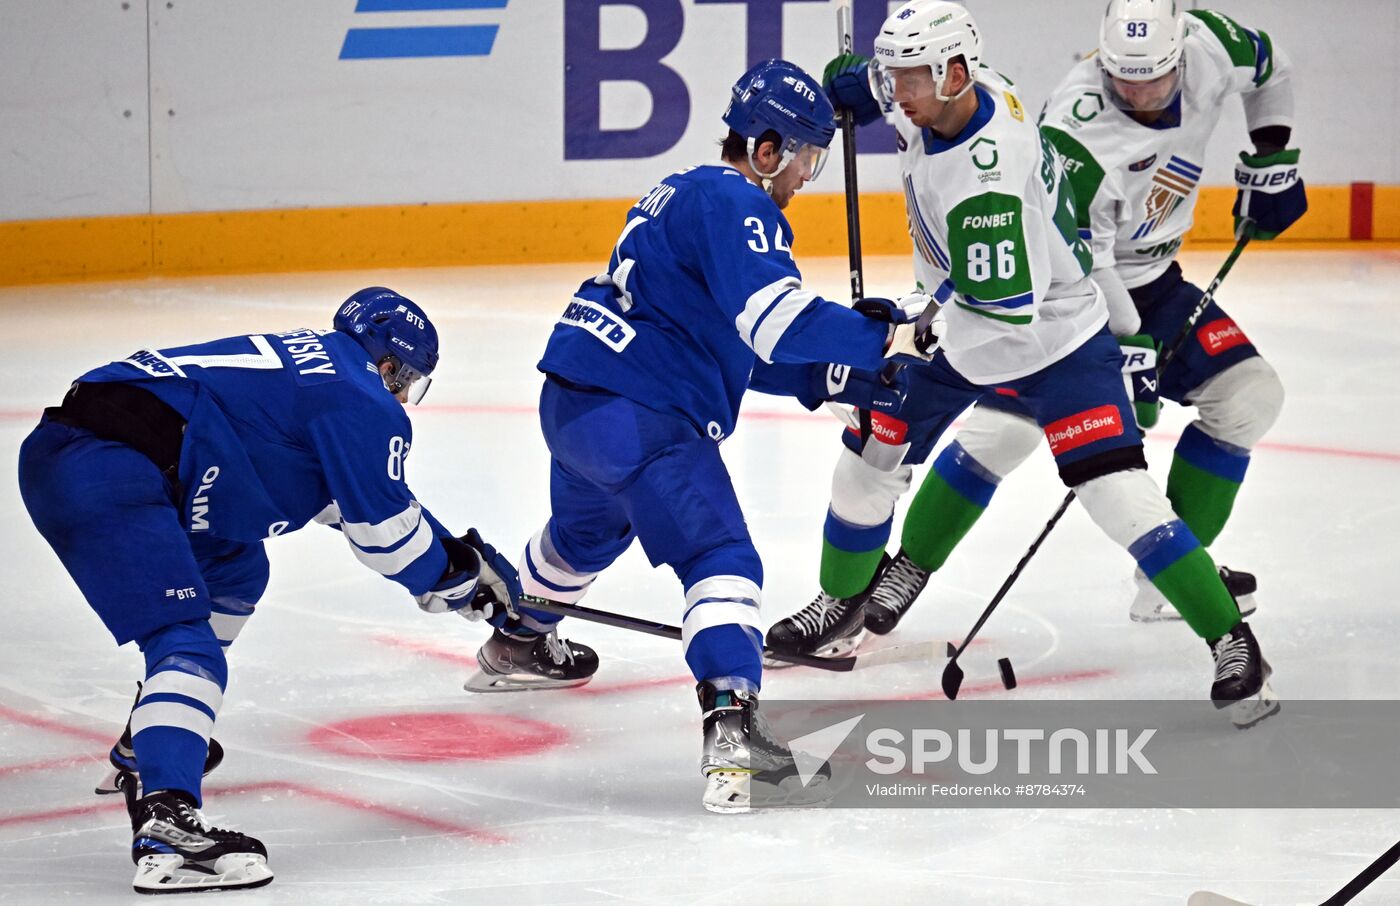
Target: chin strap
{"points": [[766, 179]]}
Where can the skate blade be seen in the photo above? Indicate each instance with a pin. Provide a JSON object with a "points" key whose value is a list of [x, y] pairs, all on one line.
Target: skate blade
{"points": [[108, 784], [165, 873], [837, 648], [1250, 711], [482, 681]]}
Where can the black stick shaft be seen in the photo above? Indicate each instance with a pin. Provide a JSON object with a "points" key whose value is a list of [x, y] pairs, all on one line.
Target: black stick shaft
{"points": [[1363, 880], [667, 631]]}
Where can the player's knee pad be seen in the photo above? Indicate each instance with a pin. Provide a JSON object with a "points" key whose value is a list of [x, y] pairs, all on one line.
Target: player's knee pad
{"points": [[863, 495], [1125, 504], [546, 574], [999, 441], [1239, 404]]}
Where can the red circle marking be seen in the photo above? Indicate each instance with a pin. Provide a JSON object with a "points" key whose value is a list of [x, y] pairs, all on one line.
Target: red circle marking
{"points": [[437, 737]]}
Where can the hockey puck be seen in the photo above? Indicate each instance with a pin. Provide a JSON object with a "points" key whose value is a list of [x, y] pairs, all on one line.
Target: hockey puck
{"points": [[1008, 676]]}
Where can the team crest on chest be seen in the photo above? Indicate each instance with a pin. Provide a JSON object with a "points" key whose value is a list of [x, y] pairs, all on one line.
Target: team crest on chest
{"points": [[1171, 185]]}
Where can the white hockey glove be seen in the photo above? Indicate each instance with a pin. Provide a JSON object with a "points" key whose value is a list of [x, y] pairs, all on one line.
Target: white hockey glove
{"points": [[479, 583], [917, 336]]}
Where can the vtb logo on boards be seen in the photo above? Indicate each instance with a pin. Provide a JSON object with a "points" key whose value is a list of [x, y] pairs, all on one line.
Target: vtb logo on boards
{"points": [[399, 42]]}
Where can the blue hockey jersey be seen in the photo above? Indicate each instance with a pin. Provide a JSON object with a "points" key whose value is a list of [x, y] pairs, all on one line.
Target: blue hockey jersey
{"points": [[701, 287], [284, 428]]}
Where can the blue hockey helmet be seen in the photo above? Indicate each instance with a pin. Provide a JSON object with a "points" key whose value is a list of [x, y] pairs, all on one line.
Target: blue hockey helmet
{"points": [[394, 329], [777, 95]]}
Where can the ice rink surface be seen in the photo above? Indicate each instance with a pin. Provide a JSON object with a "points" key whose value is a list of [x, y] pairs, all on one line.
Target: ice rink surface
{"points": [[373, 778]]}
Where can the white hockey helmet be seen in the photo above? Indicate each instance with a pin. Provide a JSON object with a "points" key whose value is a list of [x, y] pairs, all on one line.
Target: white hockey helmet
{"points": [[1141, 41], [926, 33]]}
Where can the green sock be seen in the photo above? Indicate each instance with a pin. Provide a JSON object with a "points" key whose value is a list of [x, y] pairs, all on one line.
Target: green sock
{"points": [[936, 522], [1193, 586], [1202, 500], [845, 574]]}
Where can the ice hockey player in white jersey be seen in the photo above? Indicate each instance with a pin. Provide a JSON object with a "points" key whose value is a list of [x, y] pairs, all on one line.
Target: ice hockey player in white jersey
{"points": [[1133, 122], [156, 482], [644, 375], [994, 225]]}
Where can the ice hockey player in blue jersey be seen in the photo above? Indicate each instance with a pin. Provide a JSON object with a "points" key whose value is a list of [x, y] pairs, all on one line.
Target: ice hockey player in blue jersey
{"points": [[157, 481], [645, 371]]}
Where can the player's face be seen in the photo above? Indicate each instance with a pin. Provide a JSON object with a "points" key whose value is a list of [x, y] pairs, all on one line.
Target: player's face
{"points": [[806, 163], [916, 93], [1146, 97]]}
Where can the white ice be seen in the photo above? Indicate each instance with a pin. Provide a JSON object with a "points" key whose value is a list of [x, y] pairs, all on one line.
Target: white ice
{"points": [[609, 811]]}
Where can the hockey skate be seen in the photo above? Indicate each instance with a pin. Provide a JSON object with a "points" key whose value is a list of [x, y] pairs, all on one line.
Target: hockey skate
{"points": [[123, 759], [1242, 678], [744, 766], [516, 663], [1150, 606], [828, 627], [177, 851], [897, 585]]}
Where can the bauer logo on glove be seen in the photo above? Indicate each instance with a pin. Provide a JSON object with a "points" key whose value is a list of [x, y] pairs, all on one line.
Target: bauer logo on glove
{"points": [[1271, 193]]}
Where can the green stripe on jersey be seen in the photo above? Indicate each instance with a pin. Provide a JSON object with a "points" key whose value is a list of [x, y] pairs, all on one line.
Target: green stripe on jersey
{"points": [[986, 242], [1009, 319], [1084, 172], [1231, 34]]}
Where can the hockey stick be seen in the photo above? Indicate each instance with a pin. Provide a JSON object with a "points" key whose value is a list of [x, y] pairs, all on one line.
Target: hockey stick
{"points": [[952, 673], [845, 42], [899, 654], [1345, 895]]}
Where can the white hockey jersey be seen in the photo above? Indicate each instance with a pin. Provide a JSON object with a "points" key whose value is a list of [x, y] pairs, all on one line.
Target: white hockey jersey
{"points": [[1137, 185], [995, 239]]}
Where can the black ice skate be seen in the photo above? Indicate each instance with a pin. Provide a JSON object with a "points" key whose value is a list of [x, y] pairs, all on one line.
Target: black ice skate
{"points": [[177, 851], [123, 758], [1242, 678], [1150, 606], [828, 627], [515, 663], [897, 585], [744, 766]]}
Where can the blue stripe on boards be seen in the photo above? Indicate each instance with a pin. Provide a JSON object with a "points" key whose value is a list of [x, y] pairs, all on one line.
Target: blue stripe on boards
{"points": [[399, 43], [403, 6]]}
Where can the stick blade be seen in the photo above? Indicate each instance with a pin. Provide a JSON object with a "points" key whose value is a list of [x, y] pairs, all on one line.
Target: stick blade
{"points": [[1206, 898], [952, 679]]}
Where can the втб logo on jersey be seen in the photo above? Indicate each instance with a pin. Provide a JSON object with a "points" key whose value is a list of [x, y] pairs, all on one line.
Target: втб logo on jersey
{"points": [[420, 41], [1171, 185]]}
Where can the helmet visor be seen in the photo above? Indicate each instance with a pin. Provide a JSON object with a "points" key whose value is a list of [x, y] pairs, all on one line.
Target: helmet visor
{"points": [[809, 160], [895, 85], [1146, 96], [405, 382]]}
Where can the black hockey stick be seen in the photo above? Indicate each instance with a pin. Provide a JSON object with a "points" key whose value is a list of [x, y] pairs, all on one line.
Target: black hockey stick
{"points": [[894, 655], [845, 41], [1345, 895], [952, 673]]}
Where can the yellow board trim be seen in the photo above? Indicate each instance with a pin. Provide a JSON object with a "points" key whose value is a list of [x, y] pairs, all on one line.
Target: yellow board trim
{"points": [[521, 232]]}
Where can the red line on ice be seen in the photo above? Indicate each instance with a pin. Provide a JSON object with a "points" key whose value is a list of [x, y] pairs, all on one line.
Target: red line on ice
{"points": [[115, 803], [50, 763], [55, 726]]}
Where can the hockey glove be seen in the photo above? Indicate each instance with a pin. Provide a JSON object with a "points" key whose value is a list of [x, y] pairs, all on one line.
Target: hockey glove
{"points": [[846, 81], [479, 582], [879, 392], [1270, 192], [1140, 377], [913, 334]]}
